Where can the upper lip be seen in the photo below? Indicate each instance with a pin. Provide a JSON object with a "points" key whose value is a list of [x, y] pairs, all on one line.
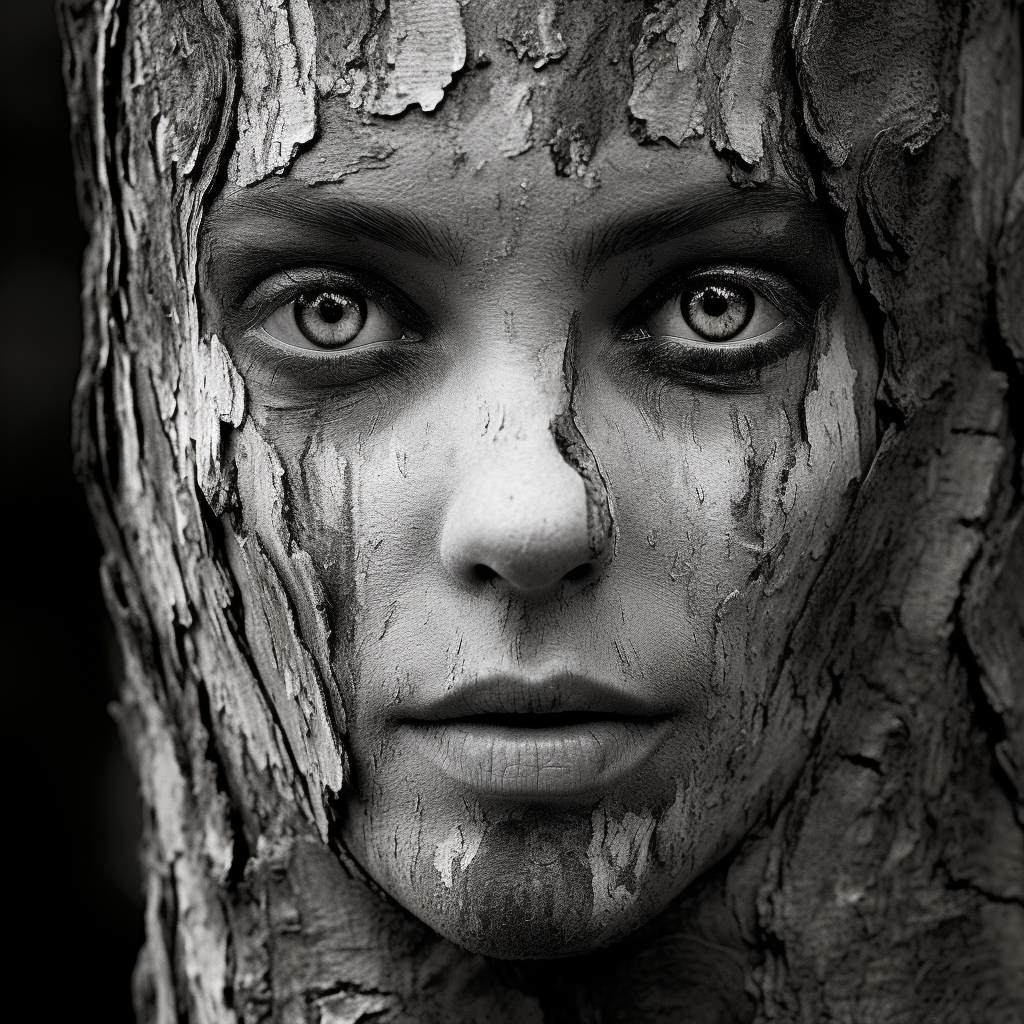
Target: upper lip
{"points": [[547, 694]]}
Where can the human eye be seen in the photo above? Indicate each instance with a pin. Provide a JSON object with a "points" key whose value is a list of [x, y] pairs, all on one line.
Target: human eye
{"points": [[311, 332], [719, 319], [329, 312]]}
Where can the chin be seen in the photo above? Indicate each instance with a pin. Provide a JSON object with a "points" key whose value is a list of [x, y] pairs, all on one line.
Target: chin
{"points": [[525, 896], [533, 925], [526, 923], [526, 941]]}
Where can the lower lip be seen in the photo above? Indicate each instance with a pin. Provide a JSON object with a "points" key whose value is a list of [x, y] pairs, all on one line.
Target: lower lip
{"points": [[539, 763]]}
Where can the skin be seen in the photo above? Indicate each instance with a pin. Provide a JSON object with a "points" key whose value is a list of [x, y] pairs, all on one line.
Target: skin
{"points": [[524, 488]]}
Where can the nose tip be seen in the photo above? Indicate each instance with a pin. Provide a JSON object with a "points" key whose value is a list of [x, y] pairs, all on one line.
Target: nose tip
{"points": [[525, 525]]}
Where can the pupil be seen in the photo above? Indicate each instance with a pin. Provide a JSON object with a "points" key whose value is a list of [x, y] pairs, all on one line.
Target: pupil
{"points": [[715, 303], [717, 312], [331, 310]]}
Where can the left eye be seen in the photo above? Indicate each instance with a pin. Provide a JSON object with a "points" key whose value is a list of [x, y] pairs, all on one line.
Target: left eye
{"points": [[332, 319], [714, 312]]}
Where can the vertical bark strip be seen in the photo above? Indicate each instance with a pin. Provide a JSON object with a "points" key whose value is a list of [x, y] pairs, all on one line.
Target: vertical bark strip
{"points": [[277, 105], [926, 876], [888, 883]]}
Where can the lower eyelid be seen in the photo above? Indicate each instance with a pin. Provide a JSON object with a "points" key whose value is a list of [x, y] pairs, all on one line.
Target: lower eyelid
{"points": [[283, 348], [688, 359], [261, 357], [642, 334]]}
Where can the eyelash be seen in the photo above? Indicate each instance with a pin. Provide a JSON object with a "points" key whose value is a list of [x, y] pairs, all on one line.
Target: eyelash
{"points": [[269, 295]]}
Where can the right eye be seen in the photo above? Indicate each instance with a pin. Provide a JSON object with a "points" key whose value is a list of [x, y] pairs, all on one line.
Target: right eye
{"points": [[329, 319]]}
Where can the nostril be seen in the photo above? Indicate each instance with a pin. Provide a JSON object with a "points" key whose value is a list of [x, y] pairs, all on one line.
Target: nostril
{"points": [[580, 573], [483, 573]]}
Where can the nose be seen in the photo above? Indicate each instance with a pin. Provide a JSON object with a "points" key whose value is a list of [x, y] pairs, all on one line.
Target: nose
{"points": [[520, 517]]}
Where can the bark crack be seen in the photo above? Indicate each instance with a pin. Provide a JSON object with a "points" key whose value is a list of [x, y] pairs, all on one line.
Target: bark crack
{"points": [[573, 447]]}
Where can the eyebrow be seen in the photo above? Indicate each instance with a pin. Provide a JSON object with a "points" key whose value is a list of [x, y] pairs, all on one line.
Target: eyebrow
{"points": [[331, 216], [630, 232], [254, 230]]}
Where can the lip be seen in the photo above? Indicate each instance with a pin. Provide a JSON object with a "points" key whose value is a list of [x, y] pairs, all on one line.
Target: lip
{"points": [[556, 736]]}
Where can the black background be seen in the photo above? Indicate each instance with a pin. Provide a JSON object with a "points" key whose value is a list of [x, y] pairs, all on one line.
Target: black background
{"points": [[70, 821]]}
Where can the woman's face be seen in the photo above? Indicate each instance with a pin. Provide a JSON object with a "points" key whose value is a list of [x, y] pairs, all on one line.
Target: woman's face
{"points": [[566, 454]]}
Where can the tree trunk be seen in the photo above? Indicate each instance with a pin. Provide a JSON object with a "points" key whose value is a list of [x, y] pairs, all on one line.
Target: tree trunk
{"points": [[888, 883]]}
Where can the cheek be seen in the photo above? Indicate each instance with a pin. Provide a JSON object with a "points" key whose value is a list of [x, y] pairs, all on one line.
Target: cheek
{"points": [[369, 537], [726, 505], [702, 496]]}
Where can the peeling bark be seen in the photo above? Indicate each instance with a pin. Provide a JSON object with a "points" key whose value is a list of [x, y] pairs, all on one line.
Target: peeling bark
{"points": [[710, 69], [887, 884], [386, 58]]}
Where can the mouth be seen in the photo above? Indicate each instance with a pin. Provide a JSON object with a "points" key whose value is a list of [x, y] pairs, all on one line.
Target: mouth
{"points": [[539, 720], [552, 738]]}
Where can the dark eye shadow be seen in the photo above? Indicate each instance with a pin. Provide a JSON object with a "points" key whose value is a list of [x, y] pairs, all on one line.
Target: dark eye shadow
{"points": [[710, 367], [293, 376]]}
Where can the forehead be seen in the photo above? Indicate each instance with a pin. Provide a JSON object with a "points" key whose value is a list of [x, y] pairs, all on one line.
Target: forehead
{"points": [[469, 156], [450, 174]]}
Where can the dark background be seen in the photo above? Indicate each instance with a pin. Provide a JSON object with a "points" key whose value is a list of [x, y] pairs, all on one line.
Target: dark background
{"points": [[74, 911]]}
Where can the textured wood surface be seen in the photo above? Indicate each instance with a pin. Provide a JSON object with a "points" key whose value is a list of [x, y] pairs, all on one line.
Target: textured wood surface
{"points": [[888, 884]]}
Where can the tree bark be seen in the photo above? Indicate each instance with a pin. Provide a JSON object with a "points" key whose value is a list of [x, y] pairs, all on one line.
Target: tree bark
{"points": [[887, 884]]}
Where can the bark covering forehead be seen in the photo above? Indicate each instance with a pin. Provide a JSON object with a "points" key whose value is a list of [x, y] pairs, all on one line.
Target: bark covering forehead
{"points": [[691, 70], [722, 70], [711, 69]]}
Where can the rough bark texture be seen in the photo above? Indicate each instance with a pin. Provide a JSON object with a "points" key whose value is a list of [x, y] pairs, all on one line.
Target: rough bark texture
{"points": [[890, 881]]}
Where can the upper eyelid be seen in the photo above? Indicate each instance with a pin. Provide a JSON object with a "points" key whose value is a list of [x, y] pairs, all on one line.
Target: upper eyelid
{"points": [[277, 290], [793, 302]]}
